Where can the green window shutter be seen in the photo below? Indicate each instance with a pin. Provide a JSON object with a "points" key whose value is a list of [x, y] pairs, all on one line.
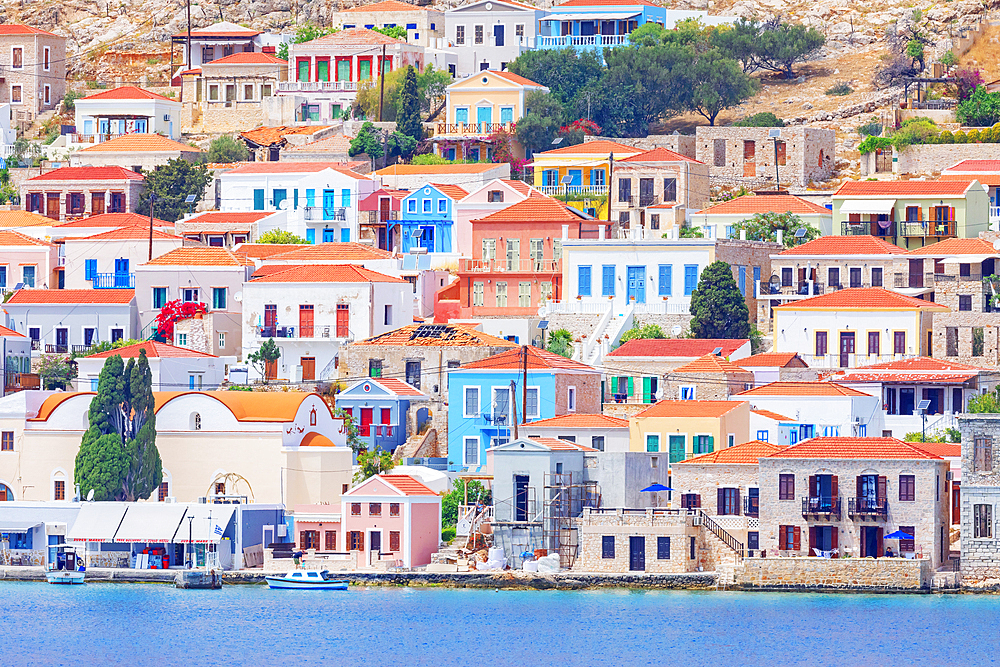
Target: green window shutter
{"points": [[631, 387], [647, 392], [711, 444]]}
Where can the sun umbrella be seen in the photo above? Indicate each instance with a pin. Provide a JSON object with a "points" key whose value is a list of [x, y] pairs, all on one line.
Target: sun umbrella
{"points": [[898, 535], [656, 487]]}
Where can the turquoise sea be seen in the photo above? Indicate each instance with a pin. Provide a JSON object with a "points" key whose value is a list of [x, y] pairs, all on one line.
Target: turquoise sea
{"points": [[119, 624]]}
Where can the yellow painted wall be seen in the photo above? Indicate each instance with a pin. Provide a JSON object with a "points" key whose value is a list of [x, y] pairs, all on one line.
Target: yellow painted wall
{"points": [[736, 422]]}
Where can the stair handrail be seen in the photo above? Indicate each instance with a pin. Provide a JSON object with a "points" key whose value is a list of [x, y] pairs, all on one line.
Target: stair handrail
{"points": [[722, 534]]}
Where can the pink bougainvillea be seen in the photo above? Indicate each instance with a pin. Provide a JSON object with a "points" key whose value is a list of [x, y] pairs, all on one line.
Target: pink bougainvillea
{"points": [[176, 311]]}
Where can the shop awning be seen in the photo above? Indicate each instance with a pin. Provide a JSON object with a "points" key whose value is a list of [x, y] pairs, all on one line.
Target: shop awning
{"points": [[18, 525], [150, 523], [592, 16], [97, 522], [879, 206], [210, 522], [968, 259]]}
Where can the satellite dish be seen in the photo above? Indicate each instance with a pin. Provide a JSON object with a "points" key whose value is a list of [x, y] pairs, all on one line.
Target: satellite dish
{"points": [[90, 496], [238, 297], [996, 244], [676, 330], [283, 205]]}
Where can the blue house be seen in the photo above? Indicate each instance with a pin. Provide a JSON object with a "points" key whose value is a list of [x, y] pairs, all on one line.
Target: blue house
{"points": [[485, 395], [427, 219], [381, 407]]}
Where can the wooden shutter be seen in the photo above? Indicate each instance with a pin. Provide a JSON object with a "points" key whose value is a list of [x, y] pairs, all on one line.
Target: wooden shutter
{"points": [[881, 489], [878, 539], [721, 496], [834, 486], [697, 500], [813, 486], [631, 386], [797, 538], [813, 539], [834, 538], [711, 443], [908, 545], [736, 502], [782, 534], [858, 490]]}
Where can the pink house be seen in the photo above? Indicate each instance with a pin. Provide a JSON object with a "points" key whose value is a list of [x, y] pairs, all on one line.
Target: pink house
{"points": [[391, 517], [494, 196]]}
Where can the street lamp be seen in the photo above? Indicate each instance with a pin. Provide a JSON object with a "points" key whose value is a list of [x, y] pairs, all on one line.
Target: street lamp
{"points": [[190, 542]]}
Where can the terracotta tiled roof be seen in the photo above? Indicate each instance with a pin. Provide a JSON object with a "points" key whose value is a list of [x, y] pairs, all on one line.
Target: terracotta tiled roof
{"points": [[690, 408], [801, 389], [436, 335], [678, 347], [134, 232], [191, 72], [268, 269], [399, 387], [407, 485], [112, 220], [942, 449], [988, 179], [4, 331], [747, 453], [332, 252], [535, 209], [845, 245], [909, 378], [386, 6], [198, 256], [903, 188], [955, 247], [862, 298], [710, 363], [751, 204], [253, 58], [660, 154], [521, 187], [973, 166], [537, 359], [854, 448], [18, 29], [917, 364], [293, 168], [140, 143], [88, 174], [11, 238], [580, 421], [453, 191], [600, 147], [336, 144], [776, 359], [235, 217], [772, 415], [153, 349], [516, 78], [127, 93], [327, 273], [42, 296], [264, 250], [269, 135], [356, 37], [24, 219], [557, 444], [434, 169]]}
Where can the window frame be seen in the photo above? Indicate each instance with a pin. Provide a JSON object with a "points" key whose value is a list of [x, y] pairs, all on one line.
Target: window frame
{"points": [[786, 486], [465, 401]]}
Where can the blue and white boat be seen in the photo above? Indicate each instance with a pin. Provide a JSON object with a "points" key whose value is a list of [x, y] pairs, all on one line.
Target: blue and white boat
{"points": [[310, 579], [65, 577]]}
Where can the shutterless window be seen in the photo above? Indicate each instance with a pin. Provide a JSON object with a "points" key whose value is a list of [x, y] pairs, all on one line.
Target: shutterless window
{"points": [[460, 34], [219, 300], [471, 401], [982, 521], [7, 441], [479, 34], [965, 302], [876, 277]]}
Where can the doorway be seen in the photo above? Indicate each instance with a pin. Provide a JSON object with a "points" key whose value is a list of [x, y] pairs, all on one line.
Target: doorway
{"points": [[636, 284], [374, 545], [846, 348], [637, 553], [520, 497], [308, 368], [749, 159], [62, 341], [871, 541]]}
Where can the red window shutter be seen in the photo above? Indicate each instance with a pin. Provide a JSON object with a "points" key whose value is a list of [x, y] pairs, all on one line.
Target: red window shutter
{"points": [[782, 533], [881, 489], [386, 415], [721, 497], [697, 500], [834, 486], [813, 486], [361, 540], [797, 538], [834, 539], [878, 537], [737, 510]]}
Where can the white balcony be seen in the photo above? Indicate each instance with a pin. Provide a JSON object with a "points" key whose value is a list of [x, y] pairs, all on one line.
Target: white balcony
{"points": [[556, 190], [995, 218], [317, 86], [599, 306], [592, 41]]}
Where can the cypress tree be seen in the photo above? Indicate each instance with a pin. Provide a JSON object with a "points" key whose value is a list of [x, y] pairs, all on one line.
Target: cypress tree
{"points": [[408, 120], [718, 309]]}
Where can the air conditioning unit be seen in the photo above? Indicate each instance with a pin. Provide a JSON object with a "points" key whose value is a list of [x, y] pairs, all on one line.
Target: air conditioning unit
{"points": [[166, 117], [949, 475]]}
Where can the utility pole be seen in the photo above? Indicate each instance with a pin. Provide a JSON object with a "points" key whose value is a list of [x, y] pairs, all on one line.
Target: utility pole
{"points": [[188, 61], [611, 171], [381, 84], [524, 389], [513, 405], [152, 198]]}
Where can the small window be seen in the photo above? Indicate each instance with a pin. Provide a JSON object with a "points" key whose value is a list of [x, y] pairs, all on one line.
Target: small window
{"points": [[692, 548], [494, 196], [222, 340], [597, 442], [459, 34], [374, 509], [59, 490], [248, 91], [982, 521], [786, 487], [355, 509], [163, 492], [220, 488], [571, 399], [965, 302], [607, 546], [442, 205], [196, 422], [17, 58], [907, 487], [663, 548], [7, 441], [393, 509], [479, 34], [762, 435], [15, 94]]}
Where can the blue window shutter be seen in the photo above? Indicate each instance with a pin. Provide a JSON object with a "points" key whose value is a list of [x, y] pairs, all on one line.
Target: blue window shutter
{"points": [[295, 198], [190, 382], [690, 278], [89, 269], [666, 279], [258, 200], [583, 284], [310, 236], [345, 234], [345, 197], [310, 197], [411, 26], [743, 280], [608, 280]]}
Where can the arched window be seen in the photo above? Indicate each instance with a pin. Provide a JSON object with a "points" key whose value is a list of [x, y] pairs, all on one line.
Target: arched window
{"points": [[195, 421], [5, 493], [312, 417]]}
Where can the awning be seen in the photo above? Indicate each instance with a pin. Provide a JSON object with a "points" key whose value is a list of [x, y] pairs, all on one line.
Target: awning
{"points": [[150, 523], [879, 206], [210, 522], [97, 522], [18, 525], [968, 259], [592, 16]]}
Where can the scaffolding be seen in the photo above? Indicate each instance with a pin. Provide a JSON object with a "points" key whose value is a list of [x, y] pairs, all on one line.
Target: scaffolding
{"points": [[563, 502]]}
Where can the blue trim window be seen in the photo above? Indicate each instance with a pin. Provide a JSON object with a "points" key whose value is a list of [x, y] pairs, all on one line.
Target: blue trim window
{"points": [[310, 197], [258, 200], [89, 269], [442, 205], [345, 197], [159, 297], [411, 26], [583, 281], [666, 278], [756, 275], [690, 278], [608, 280], [411, 205], [762, 435], [743, 280], [427, 206]]}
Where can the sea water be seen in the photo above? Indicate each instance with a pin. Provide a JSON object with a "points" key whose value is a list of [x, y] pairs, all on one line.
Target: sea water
{"points": [[131, 624]]}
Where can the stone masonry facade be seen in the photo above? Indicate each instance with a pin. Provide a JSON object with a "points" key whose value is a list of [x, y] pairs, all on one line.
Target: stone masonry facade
{"points": [[650, 524], [745, 154], [749, 254], [31, 84], [856, 574], [708, 386], [980, 500]]}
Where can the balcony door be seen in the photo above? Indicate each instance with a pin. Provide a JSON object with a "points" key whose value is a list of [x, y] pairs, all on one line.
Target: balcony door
{"points": [[329, 205], [121, 272], [871, 541], [520, 497], [62, 340], [846, 348]]}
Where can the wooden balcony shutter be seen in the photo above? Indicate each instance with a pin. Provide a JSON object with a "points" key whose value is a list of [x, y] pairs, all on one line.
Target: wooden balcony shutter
{"points": [[908, 546], [834, 539], [813, 539], [813, 486], [697, 500], [858, 493], [782, 534], [797, 538], [878, 537], [834, 486], [721, 495], [737, 510], [881, 489]]}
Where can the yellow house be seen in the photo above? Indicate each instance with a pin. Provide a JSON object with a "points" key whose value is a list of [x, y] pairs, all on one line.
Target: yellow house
{"points": [[684, 429], [478, 106], [580, 174]]}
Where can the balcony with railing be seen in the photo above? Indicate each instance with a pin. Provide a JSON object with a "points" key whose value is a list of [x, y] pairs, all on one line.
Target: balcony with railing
{"points": [[378, 217], [821, 506], [913, 280], [510, 266], [313, 213], [872, 228], [114, 281], [751, 506], [317, 86], [14, 382], [472, 129], [927, 228], [994, 215], [571, 190], [867, 507], [973, 276], [57, 348], [586, 41], [285, 331]]}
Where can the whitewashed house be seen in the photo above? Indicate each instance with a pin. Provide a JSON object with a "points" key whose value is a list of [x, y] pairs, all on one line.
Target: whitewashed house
{"points": [[172, 368], [64, 320], [125, 110], [488, 34], [108, 260]]}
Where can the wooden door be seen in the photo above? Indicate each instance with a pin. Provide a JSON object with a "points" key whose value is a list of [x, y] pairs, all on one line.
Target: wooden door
{"points": [[846, 348], [749, 159], [366, 422], [308, 368], [52, 206], [384, 209], [306, 321], [271, 370], [637, 553], [343, 320], [97, 203]]}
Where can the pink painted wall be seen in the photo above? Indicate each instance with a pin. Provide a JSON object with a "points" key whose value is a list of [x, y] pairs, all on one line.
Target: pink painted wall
{"points": [[426, 532], [384, 523]]}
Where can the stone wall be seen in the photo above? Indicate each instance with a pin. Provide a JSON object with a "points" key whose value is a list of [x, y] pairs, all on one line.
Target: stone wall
{"points": [[678, 143], [875, 574], [931, 158], [737, 253], [624, 524], [624, 410], [980, 486], [809, 153], [578, 325], [958, 327], [708, 386]]}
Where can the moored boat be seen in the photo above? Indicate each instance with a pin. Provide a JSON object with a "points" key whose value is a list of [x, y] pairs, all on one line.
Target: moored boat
{"points": [[307, 579], [65, 577]]}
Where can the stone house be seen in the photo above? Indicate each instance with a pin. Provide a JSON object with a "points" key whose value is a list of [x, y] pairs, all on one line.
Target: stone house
{"points": [[847, 494], [219, 40], [778, 367], [656, 189], [69, 193], [268, 143], [34, 66], [652, 540], [986, 171], [141, 152], [683, 429], [718, 219], [424, 25], [228, 94], [709, 378], [738, 155], [980, 499]]}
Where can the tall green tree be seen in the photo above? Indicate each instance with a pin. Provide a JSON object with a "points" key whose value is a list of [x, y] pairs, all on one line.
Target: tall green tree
{"points": [[541, 121], [565, 72], [782, 45], [170, 184], [718, 309], [408, 120], [739, 42], [370, 141], [765, 226], [225, 149], [719, 83], [118, 458], [266, 354]]}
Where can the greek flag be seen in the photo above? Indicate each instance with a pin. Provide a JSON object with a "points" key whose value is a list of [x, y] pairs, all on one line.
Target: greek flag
{"points": [[218, 529], [3, 163]]}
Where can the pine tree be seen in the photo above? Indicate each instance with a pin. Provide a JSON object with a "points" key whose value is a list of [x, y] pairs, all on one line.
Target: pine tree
{"points": [[408, 121], [718, 309]]}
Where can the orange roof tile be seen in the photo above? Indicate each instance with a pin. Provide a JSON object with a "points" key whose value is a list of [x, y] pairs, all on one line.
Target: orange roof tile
{"points": [[152, 349], [336, 144], [746, 453], [235, 217], [24, 219], [453, 191], [598, 147], [690, 408], [771, 415], [407, 485], [751, 204], [333, 251], [942, 449], [198, 256], [127, 93], [435, 169], [88, 174], [845, 245], [801, 389], [776, 359], [917, 364], [854, 448], [269, 135], [521, 187], [660, 154], [386, 6], [862, 298], [903, 188], [398, 387], [580, 421], [18, 29], [4, 331], [436, 335], [909, 378], [244, 58], [558, 444], [326, 273], [44, 296], [955, 247], [516, 78], [135, 143], [264, 250], [537, 359], [294, 168], [710, 363], [973, 166], [535, 209], [356, 37], [135, 232], [678, 347], [12, 238], [991, 180], [112, 220]]}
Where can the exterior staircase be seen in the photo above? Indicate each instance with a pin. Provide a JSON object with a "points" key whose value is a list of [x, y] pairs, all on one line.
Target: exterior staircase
{"points": [[419, 445], [608, 331], [726, 550]]}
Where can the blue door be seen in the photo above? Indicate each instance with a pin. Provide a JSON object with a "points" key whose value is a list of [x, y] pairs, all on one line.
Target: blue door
{"points": [[329, 235], [329, 204], [310, 236], [484, 115], [121, 273], [550, 177], [576, 177], [427, 237], [637, 284], [345, 234]]}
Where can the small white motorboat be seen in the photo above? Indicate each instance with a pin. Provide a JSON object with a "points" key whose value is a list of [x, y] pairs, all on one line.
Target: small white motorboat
{"points": [[65, 576], [307, 579]]}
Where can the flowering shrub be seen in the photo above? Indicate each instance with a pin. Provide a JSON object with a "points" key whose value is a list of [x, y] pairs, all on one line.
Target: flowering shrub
{"points": [[173, 312], [583, 125]]}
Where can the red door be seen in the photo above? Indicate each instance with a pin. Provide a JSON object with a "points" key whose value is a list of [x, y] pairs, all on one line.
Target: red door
{"points": [[386, 416], [749, 159], [956, 503], [366, 421], [305, 321], [308, 368], [343, 320]]}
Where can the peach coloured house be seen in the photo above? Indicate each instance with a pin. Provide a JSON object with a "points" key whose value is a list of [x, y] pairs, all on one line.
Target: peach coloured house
{"points": [[391, 518]]}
